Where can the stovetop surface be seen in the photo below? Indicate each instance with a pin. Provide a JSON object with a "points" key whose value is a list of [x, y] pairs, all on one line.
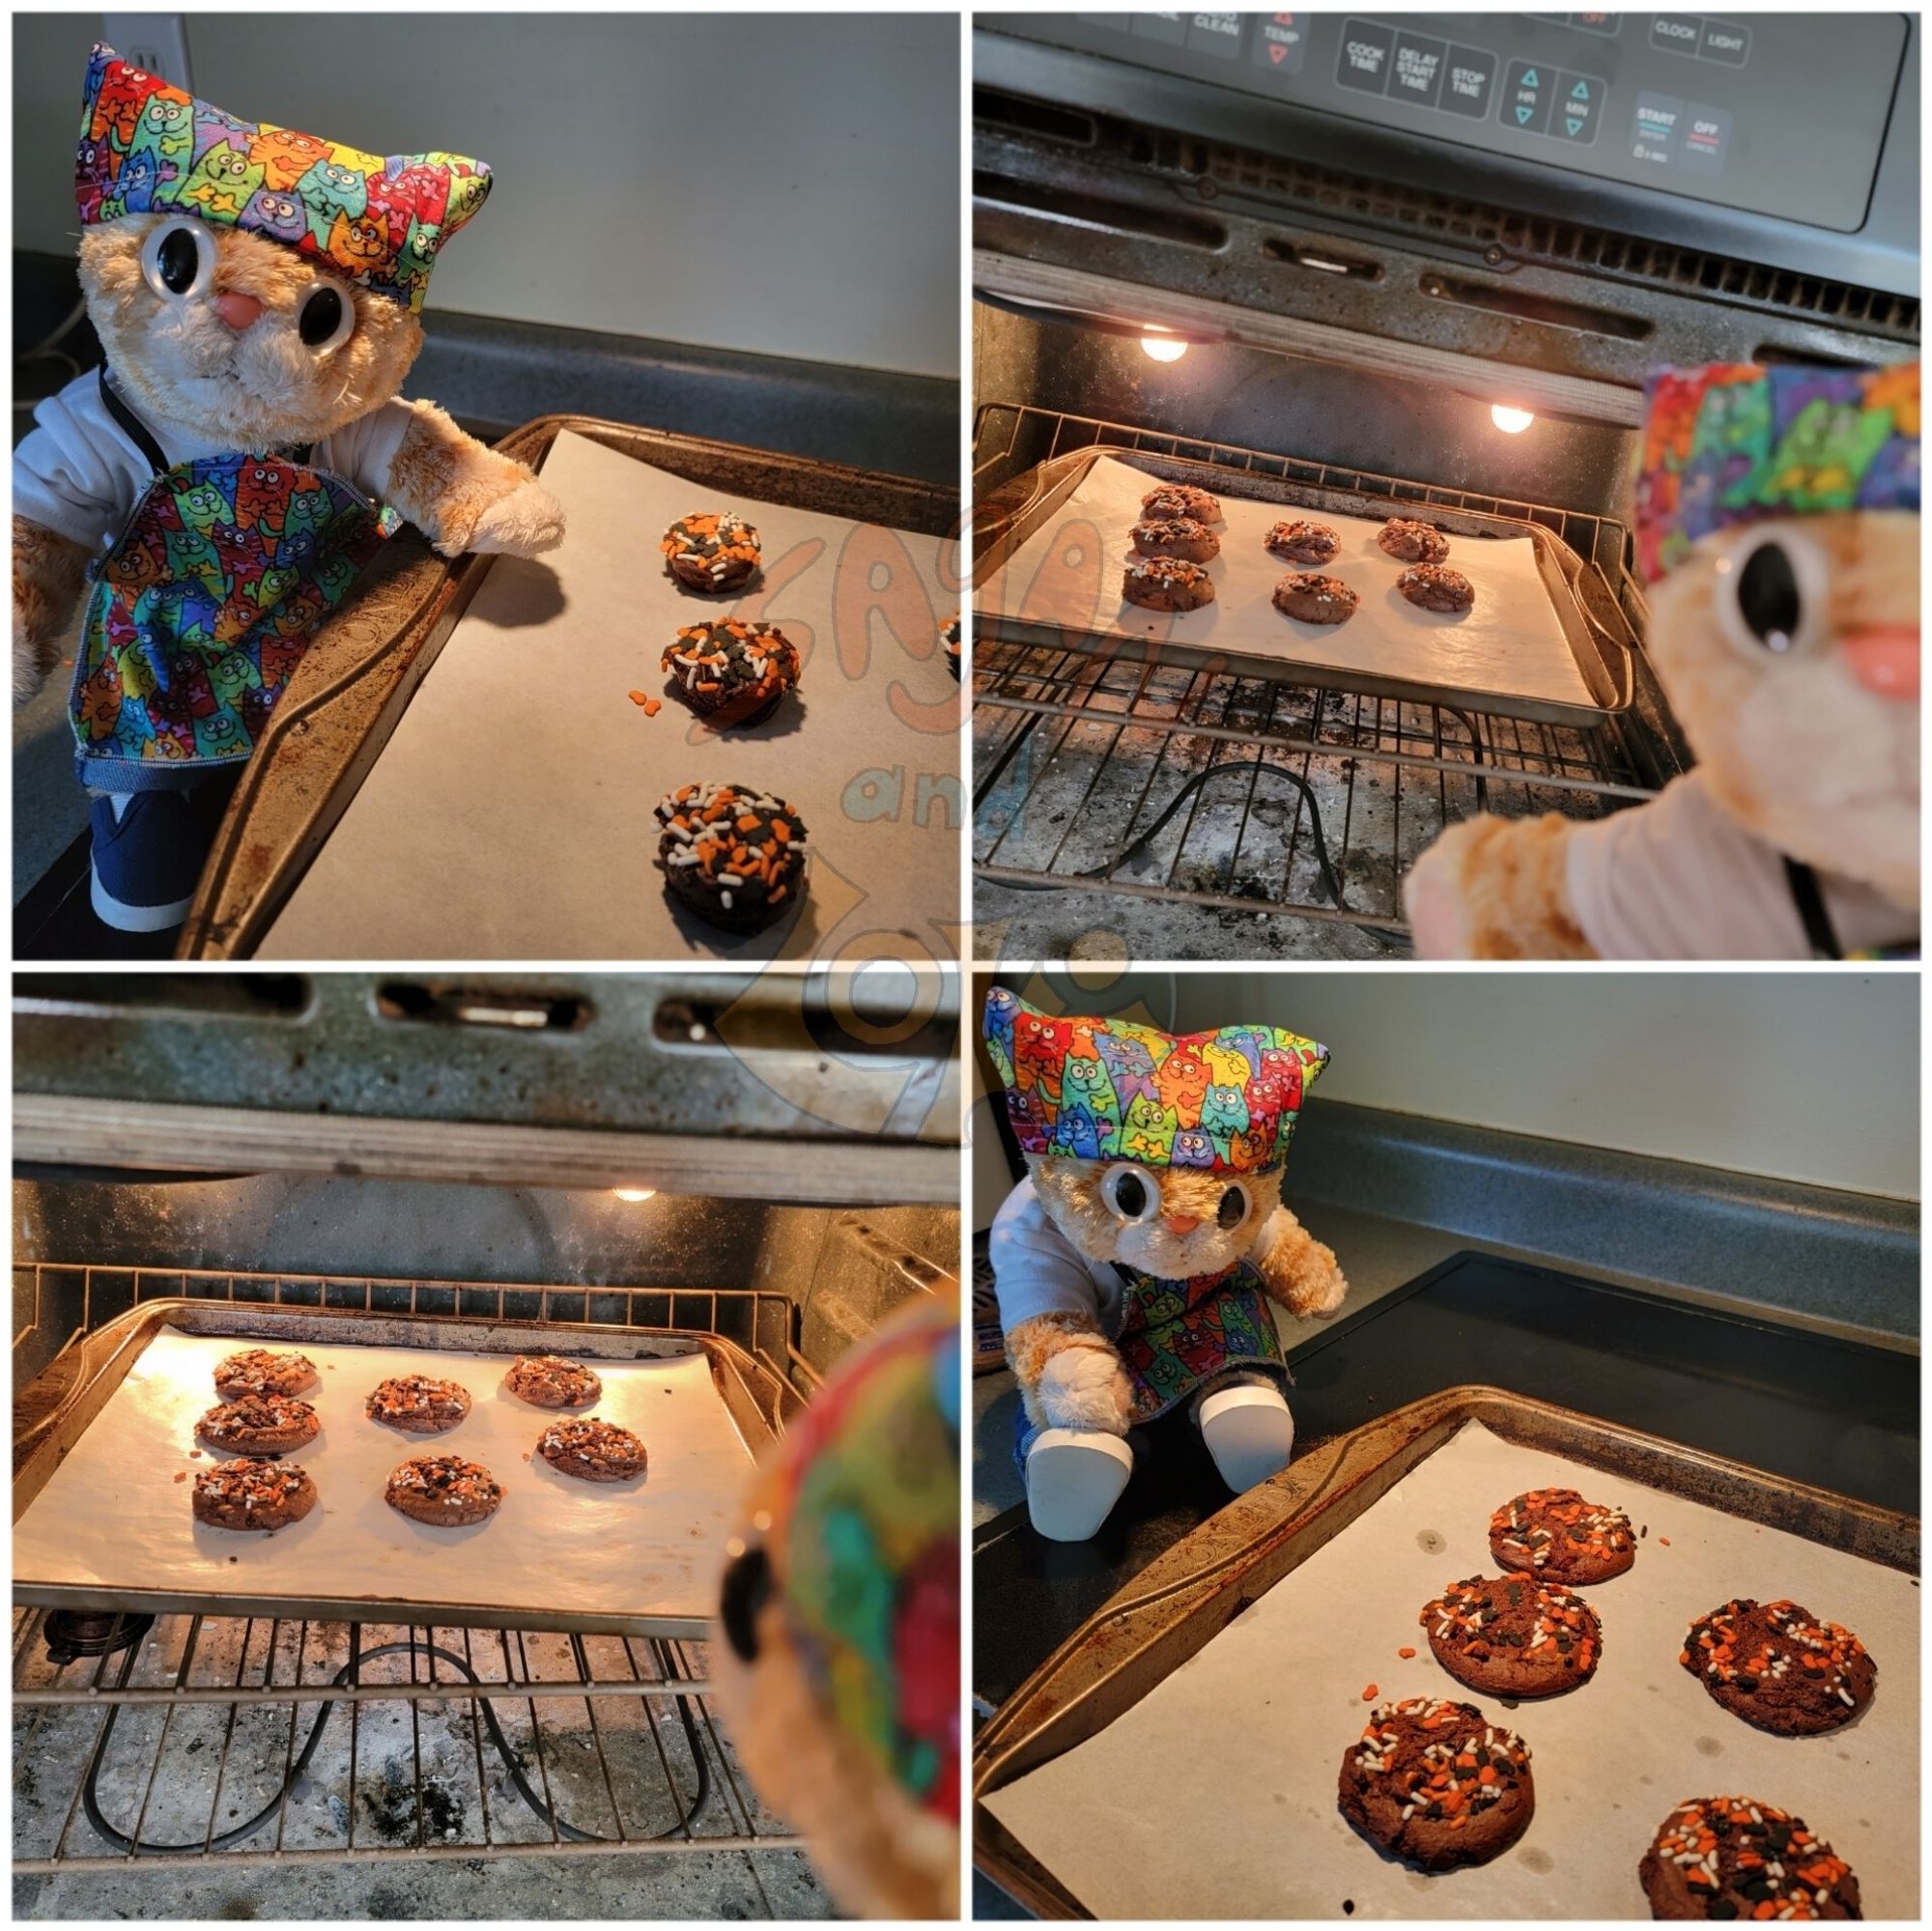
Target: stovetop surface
{"points": [[1837, 1414]]}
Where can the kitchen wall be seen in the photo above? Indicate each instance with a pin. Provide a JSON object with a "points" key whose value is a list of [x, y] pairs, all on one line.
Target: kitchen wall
{"points": [[1810, 1077], [782, 184]]}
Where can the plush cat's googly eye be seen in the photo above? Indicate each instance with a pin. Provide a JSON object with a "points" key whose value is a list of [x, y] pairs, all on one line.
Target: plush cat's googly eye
{"points": [[178, 258], [1132, 1194], [1773, 591], [1233, 1208], [325, 319]]}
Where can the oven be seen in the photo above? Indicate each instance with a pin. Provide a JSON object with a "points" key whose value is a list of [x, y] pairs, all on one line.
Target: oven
{"points": [[721, 1181], [1362, 266]]}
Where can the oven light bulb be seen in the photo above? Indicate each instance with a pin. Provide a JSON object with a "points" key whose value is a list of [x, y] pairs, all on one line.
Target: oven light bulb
{"points": [[1163, 347], [635, 1193], [1511, 421]]}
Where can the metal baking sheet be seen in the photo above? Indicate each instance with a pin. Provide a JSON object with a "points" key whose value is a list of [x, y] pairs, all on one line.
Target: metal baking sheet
{"points": [[1254, 1830], [509, 814], [113, 1524], [1529, 647]]}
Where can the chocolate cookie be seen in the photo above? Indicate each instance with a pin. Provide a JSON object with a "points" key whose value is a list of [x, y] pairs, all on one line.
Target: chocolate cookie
{"points": [[1556, 1535], [734, 672], [1508, 1636], [1167, 583], [1413, 542], [1776, 1666], [550, 1382], [1179, 500], [948, 636], [1303, 542], [736, 857], [418, 1404], [258, 1425], [1429, 586], [1177, 536], [1313, 598], [592, 1450], [711, 551], [253, 1495], [1437, 1784], [443, 1491], [258, 1371], [1734, 1859]]}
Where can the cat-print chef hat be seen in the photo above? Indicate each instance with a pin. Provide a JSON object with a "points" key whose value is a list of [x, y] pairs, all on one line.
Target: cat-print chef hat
{"points": [[1731, 443], [146, 148], [1111, 1089]]}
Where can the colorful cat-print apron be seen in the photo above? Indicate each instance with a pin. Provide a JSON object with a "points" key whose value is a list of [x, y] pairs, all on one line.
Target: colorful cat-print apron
{"points": [[1175, 1336], [205, 605]]}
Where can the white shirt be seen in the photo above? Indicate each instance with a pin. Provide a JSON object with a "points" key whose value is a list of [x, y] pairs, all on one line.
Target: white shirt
{"points": [[1679, 878], [1038, 1270], [80, 473]]}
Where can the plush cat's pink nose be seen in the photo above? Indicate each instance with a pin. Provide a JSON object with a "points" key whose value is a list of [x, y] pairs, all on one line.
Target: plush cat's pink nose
{"points": [[1884, 659], [239, 311], [1181, 1223]]}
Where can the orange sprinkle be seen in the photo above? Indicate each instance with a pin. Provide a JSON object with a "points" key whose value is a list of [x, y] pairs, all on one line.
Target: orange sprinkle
{"points": [[1368, 1694], [1404, 1652], [652, 707], [1664, 1540], [638, 697]]}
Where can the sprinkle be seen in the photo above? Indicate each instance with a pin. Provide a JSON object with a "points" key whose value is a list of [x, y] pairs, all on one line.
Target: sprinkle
{"points": [[1404, 1652], [1368, 1694]]}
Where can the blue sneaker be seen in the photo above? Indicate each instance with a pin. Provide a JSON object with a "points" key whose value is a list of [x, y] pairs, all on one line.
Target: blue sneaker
{"points": [[148, 852]]}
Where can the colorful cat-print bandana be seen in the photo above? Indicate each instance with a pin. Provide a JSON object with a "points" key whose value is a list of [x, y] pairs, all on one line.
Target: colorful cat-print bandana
{"points": [[1110, 1089], [860, 1516], [203, 609], [1735, 443], [146, 148]]}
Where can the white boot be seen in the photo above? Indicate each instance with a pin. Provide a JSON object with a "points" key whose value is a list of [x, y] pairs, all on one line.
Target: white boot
{"points": [[1073, 1477], [1249, 1432]]}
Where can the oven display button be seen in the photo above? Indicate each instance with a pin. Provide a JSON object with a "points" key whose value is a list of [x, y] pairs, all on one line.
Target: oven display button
{"points": [[1526, 98], [1363, 63]]}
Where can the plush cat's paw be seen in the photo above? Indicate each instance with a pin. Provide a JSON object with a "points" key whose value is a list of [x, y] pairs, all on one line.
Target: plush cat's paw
{"points": [[526, 521], [1084, 1386], [1432, 902], [1301, 1271]]}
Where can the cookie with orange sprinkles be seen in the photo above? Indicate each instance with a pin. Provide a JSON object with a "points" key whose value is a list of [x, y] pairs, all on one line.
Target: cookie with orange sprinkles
{"points": [[1511, 1636], [1734, 1859], [712, 551], [1775, 1666], [734, 856], [733, 671], [418, 1404], [1437, 1784], [1556, 1536]]}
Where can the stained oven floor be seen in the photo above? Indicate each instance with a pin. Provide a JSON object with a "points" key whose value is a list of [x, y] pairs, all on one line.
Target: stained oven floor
{"points": [[386, 1776]]}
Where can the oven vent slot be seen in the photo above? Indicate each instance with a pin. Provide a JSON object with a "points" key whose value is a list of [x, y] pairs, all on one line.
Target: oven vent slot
{"points": [[424, 1002], [1323, 261], [1018, 115], [1529, 307], [1534, 240], [1097, 210], [246, 995]]}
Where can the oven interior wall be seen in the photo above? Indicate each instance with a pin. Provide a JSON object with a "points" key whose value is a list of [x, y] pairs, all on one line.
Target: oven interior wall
{"points": [[362, 1242], [1254, 399]]}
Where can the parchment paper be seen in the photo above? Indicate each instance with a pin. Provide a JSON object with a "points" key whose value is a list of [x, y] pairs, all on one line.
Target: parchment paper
{"points": [[1214, 1796], [509, 814], [114, 1515], [1068, 572]]}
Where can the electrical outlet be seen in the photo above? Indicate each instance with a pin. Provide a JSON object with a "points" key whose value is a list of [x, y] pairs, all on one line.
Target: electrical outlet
{"points": [[155, 42]]}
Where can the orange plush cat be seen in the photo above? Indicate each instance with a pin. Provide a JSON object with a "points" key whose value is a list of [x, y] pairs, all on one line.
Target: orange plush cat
{"points": [[1778, 522], [219, 485], [1137, 1265]]}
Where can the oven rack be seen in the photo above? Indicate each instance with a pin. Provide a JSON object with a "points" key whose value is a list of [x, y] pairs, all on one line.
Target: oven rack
{"points": [[1148, 782], [562, 1745], [55, 1303]]}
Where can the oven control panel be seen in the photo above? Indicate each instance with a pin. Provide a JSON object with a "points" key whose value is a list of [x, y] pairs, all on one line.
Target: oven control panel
{"points": [[1781, 114]]}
